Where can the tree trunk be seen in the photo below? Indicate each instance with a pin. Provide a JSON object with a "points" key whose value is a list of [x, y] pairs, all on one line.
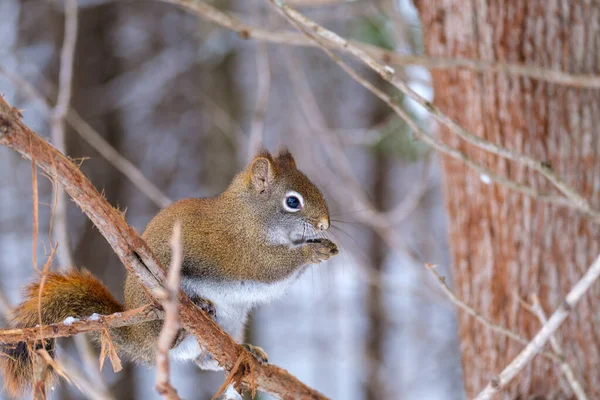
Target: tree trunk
{"points": [[504, 244]]}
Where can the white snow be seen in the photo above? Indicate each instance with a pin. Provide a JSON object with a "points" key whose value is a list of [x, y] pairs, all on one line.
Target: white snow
{"points": [[70, 320], [94, 317]]}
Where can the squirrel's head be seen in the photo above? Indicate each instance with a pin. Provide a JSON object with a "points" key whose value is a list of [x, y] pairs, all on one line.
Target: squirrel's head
{"points": [[291, 205]]}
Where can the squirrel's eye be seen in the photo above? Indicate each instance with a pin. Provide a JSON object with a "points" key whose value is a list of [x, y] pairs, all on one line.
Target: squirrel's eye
{"points": [[293, 202]]}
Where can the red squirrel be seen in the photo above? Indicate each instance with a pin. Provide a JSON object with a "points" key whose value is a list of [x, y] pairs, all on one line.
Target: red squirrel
{"points": [[240, 249]]}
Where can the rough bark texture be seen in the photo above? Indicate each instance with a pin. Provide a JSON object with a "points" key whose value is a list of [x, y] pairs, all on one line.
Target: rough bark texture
{"points": [[504, 244]]}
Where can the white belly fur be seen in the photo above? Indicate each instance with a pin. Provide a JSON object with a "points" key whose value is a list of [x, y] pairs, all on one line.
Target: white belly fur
{"points": [[233, 301]]}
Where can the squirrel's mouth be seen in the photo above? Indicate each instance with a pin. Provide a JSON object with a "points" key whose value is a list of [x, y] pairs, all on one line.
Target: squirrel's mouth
{"points": [[303, 238], [307, 233]]}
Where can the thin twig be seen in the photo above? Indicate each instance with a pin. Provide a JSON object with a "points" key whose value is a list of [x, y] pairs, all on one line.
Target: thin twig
{"points": [[263, 72], [137, 257], [117, 160], [539, 340], [95, 140], [316, 121], [94, 322], [171, 324], [88, 388], [40, 375], [57, 125], [485, 173], [246, 31], [411, 201], [323, 36], [5, 307], [480, 318], [538, 311], [58, 135]]}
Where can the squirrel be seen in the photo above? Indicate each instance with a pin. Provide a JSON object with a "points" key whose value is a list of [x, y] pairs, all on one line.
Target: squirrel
{"points": [[240, 249]]}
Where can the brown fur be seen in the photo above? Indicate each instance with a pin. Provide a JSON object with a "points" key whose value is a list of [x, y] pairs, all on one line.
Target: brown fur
{"points": [[224, 238]]}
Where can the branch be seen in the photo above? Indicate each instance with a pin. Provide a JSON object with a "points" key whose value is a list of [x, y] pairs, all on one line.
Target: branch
{"points": [[170, 327], [246, 31], [92, 323], [87, 387], [537, 309], [5, 307], [137, 257], [481, 319], [94, 139], [40, 374], [545, 333], [57, 125], [325, 38], [485, 173], [369, 216], [263, 82]]}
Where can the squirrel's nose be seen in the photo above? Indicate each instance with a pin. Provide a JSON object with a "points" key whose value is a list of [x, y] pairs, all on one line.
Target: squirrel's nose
{"points": [[323, 224]]}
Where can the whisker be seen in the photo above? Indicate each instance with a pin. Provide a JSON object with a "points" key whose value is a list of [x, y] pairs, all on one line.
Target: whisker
{"points": [[348, 222], [342, 248], [350, 212], [346, 233]]}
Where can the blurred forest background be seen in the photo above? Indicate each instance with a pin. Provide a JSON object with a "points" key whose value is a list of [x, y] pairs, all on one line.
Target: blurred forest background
{"points": [[167, 105], [180, 98]]}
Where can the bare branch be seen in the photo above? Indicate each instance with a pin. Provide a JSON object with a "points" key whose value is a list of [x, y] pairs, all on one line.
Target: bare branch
{"points": [[538, 311], [246, 31], [480, 318], [316, 120], [40, 375], [138, 258], [411, 201], [263, 72], [95, 140], [171, 325], [92, 323], [388, 74], [537, 343], [58, 135], [57, 125], [321, 36], [5, 307], [88, 388], [121, 163]]}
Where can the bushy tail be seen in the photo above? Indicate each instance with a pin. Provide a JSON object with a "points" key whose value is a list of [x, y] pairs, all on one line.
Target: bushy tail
{"points": [[73, 294]]}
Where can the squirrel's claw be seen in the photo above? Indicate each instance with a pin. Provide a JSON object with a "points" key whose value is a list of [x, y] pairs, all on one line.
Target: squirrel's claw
{"points": [[257, 352], [205, 305]]}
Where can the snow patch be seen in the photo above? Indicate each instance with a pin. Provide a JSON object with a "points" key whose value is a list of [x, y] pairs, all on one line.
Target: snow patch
{"points": [[70, 320], [94, 317]]}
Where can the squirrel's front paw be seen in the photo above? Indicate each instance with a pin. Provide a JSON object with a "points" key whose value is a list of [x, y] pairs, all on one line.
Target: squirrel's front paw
{"points": [[321, 250], [205, 305], [257, 352]]}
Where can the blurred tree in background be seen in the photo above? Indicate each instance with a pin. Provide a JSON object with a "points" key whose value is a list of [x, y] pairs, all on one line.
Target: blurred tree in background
{"points": [[504, 244]]}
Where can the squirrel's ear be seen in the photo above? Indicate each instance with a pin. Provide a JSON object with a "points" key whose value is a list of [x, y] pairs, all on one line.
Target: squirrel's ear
{"points": [[261, 173], [286, 159]]}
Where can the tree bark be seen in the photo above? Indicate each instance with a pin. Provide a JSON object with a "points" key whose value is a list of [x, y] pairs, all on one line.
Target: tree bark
{"points": [[504, 244]]}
